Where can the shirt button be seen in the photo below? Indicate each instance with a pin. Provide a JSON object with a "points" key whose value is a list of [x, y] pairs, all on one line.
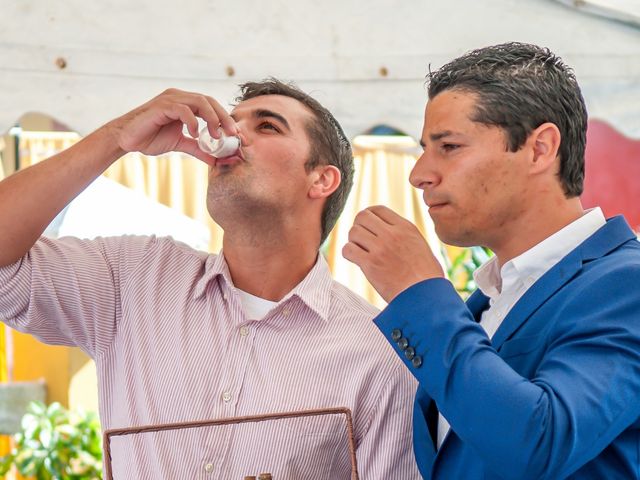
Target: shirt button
{"points": [[286, 312], [208, 467], [225, 296], [226, 397], [244, 331]]}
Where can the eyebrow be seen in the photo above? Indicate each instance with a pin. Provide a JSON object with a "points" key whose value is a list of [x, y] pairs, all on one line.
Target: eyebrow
{"points": [[265, 113]]}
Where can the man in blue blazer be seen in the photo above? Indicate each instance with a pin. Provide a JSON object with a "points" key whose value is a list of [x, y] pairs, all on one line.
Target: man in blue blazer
{"points": [[537, 375]]}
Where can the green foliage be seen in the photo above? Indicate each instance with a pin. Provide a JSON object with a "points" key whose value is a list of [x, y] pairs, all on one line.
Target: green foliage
{"points": [[461, 268], [56, 444]]}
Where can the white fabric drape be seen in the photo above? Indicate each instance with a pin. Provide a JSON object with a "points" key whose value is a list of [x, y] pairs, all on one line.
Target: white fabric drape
{"points": [[174, 179], [36, 146]]}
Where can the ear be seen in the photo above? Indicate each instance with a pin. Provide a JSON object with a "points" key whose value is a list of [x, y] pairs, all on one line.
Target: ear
{"points": [[545, 141], [325, 180]]}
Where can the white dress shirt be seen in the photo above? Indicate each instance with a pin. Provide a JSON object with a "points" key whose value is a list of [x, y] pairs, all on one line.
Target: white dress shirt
{"points": [[506, 286]]}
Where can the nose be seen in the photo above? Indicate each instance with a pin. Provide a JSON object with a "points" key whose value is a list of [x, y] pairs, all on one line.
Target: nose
{"points": [[244, 139], [423, 175]]}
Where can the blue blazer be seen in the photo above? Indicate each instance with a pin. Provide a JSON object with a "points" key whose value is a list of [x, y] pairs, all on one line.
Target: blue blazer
{"points": [[554, 395]]}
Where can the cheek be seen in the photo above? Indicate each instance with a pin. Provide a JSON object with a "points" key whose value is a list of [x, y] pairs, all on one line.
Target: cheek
{"points": [[284, 161], [495, 179], [282, 178], [501, 197]]}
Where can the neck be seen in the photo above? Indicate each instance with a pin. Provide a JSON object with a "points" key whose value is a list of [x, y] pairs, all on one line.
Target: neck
{"points": [[534, 226], [269, 266]]}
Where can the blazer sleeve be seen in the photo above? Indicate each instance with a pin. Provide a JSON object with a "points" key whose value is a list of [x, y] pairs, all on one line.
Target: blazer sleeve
{"points": [[583, 391]]}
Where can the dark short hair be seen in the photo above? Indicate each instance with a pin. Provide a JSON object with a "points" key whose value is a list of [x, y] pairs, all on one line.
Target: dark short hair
{"points": [[519, 87], [329, 144]]}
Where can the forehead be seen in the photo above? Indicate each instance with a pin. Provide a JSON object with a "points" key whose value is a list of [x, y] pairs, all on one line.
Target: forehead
{"points": [[450, 108], [291, 109]]}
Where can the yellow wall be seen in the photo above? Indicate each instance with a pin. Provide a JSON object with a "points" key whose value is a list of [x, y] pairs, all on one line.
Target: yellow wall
{"points": [[33, 360], [83, 388], [68, 372]]}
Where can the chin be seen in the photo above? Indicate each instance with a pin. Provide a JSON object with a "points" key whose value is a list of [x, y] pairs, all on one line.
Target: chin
{"points": [[456, 238]]}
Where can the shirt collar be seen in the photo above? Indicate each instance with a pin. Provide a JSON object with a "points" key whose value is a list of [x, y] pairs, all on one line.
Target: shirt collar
{"points": [[314, 290], [529, 266], [214, 266], [487, 277]]}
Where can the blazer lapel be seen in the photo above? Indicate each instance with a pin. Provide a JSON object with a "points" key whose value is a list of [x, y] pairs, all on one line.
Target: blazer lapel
{"points": [[536, 295], [607, 238]]}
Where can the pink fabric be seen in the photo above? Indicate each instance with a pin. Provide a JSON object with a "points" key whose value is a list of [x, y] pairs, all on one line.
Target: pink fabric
{"points": [[171, 344], [612, 173]]}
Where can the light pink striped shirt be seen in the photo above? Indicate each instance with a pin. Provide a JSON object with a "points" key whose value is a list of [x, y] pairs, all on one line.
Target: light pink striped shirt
{"points": [[165, 326]]}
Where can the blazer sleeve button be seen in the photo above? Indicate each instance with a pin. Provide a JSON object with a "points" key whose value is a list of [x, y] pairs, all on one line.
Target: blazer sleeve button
{"points": [[403, 343], [396, 334]]}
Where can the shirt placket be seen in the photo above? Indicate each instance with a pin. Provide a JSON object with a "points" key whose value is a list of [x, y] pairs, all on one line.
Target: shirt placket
{"points": [[228, 396]]}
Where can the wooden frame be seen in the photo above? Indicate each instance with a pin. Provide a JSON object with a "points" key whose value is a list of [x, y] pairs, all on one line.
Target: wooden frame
{"points": [[108, 434]]}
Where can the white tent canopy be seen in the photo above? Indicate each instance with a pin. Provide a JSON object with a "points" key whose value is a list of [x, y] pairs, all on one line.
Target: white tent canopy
{"points": [[623, 10], [84, 63]]}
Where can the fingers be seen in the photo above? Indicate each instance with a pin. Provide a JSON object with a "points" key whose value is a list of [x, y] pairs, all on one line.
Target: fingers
{"points": [[368, 220], [390, 251], [386, 214], [379, 218], [380, 221], [354, 253], [157, 126], [365, 236], [362, 237], [207, 108], [369, 227], [227, 123], [185, 115]]}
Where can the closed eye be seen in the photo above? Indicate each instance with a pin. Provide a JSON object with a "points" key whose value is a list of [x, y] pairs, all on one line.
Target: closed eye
{"points": [[450, 147], [269, 126]]}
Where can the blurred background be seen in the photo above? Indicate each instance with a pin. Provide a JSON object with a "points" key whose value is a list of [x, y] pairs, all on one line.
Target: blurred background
{"points": [[68, 67]]}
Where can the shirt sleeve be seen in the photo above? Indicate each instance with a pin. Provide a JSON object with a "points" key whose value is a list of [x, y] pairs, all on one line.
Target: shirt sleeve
{"points": [[67, 291], [386, 451]]}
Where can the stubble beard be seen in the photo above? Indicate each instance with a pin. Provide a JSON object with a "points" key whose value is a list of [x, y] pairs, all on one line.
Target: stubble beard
{"points": [[241, 210]]}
